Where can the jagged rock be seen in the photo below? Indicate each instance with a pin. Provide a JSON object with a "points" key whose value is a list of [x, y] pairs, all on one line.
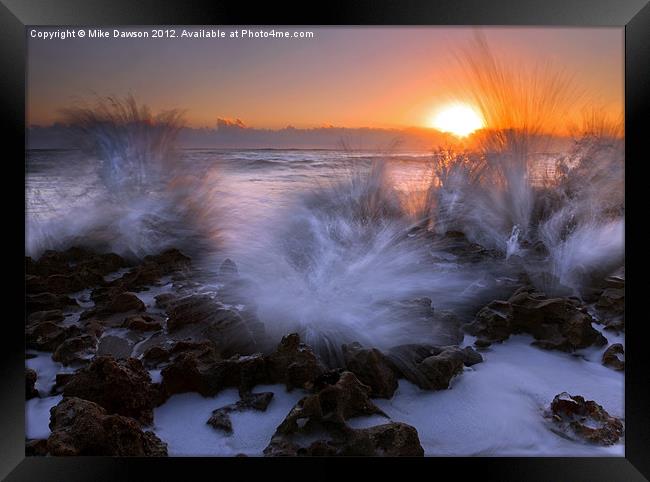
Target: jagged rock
{"points": [[76, 349], [152, 269], [372, 368], [330, 407], [55, 316], [155, 355], [48, 302], [612, 300], [164, 300], [576, 417], [555, 323], [120, 386], [228, 269], [115, 346], [197, 367], [431, 367], [36, 447], [82, 427], [614, 357], [47, 335], [143, 322], [220, 418], [60, 381], [119, 303], [294, 364], [30, 381], [390, 440]]}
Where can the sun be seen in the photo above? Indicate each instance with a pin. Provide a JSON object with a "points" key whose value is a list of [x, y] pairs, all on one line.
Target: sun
{"points": [[458, 119]]}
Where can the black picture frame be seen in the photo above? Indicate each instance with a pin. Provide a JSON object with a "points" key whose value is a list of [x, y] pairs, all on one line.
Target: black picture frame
{"points": [[633, 15]]}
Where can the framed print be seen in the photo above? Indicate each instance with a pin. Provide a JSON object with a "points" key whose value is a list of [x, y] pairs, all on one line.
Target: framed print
{"points": [[384, 234]]}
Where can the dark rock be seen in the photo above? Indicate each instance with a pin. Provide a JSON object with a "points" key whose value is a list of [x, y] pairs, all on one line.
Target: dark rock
{"points": [[330, 407], [372, 368], [81, 427], [75, 350], [54, 316], [164, 300], [36, 448], [115, 346], [30, 381], [61, 380], [614, 357], [143, 322], [120, 303], [220, 418], [47, 302], [155, 355], [612, 300], [228, 269], [47, 335], [431, 367], [294, 364], [555, 323], [120, 386], [389, 440], [576, 417]]}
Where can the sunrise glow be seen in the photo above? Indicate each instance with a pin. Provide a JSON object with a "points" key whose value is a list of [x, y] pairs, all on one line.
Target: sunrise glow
{"points": [[458, 119]]}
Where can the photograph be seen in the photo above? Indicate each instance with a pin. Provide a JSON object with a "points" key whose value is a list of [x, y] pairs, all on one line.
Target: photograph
{"points": [[385, 241]]}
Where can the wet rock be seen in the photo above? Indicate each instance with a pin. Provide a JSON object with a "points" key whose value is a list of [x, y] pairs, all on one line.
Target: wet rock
{"points": [[330, 407], [120, 386], [390, 440], [36, 448], [155, 355], [30, 381], [164, 300], [54, 316], [81, 427], [203, 372], [372, 368], [228, 269], [47, 335], [220, 418], [143, 322], [152, 269], [431, 367], [115, 346], [294, 364], [48, 302], [614, 357], [75, 350], [119, 303], [555, 323], [612, 300], [577, 418], [60, 381]]}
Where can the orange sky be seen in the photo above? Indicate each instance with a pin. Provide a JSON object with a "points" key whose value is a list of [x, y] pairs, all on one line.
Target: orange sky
{"points": [[349, 77]]}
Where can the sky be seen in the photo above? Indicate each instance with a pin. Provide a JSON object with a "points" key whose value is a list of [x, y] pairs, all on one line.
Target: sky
{"points": [[346, 77]]}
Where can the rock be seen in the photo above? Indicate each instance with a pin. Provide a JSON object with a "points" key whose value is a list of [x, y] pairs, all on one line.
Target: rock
{"points": [[205, 373], [60, 381], [228, 269], [220, 418], [120, 386], [155, 355], [54, 316], [48, 302], [372, 369], [330, 407], [576, 417], [81, 427], [389, 440], [431, 367], [294, 364], [143, 322], [555, 323], [36, 448], [164, 300], [30, 381], [169, 261], [152, 269], [612, 300], [614, 357], [113, 303], [76, 349], [47, 335], [115, 346]]}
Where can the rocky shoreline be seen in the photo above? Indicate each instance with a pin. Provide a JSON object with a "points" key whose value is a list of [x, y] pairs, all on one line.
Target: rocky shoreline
{"points": [[113, 323]]}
